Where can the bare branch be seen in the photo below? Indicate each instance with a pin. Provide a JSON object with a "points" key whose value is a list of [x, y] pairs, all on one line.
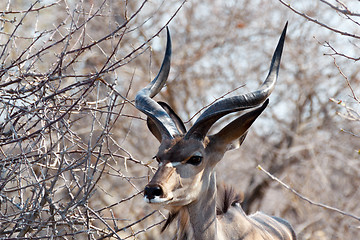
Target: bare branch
{"points": [[306, 198]]}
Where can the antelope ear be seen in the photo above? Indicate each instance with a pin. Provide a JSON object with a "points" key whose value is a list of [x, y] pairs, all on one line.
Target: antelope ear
{"points": [[237, 143], [233, 134], [153, 129], [176, 119]]}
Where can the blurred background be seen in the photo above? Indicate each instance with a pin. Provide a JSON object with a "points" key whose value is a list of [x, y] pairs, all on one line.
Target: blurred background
{"points": [[76, 154]]}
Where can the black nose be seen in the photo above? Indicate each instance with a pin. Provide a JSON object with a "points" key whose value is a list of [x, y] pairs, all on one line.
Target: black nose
{"points": [[153, 191]]}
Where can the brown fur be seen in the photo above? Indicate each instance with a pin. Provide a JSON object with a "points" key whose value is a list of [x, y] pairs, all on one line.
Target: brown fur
{"points": [[227, 197], [171, 217]]}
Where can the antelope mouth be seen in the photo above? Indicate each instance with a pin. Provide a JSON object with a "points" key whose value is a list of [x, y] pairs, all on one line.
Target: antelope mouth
{"points": [[157, 200]]}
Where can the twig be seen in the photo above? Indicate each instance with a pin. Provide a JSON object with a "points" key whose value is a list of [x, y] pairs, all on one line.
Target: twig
{"points": [[216, 99], [306, 198], [318, 22]]}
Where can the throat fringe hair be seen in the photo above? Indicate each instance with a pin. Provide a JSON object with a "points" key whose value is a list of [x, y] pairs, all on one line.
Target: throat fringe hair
{"points": [[226, 198], [184, 230]]}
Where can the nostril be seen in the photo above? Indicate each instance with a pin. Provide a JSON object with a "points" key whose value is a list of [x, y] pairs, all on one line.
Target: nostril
{"points": [[158, 191], [153, 191]]}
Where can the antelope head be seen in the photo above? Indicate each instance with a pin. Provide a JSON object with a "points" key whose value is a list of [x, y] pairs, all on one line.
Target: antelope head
{"points": [[187, 158]]}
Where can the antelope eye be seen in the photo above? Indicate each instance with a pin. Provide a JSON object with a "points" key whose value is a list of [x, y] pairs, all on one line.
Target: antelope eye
{"points": [[195, 160]]}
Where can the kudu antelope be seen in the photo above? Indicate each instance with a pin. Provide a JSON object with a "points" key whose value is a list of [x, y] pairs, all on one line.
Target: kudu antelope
{"points": [[185, 181]]}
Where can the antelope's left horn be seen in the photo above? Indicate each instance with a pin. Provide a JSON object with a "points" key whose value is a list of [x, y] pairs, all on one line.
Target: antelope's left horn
{"points": [[145, 103]]}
